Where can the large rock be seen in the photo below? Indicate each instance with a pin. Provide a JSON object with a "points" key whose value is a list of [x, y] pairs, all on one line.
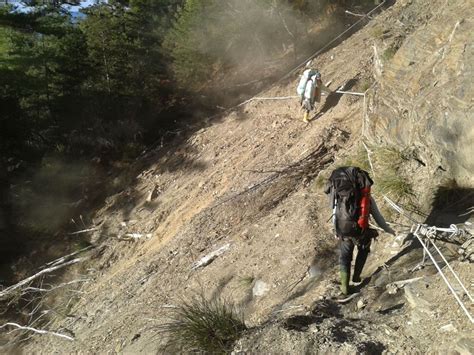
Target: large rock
{"points": [[424, 96]]}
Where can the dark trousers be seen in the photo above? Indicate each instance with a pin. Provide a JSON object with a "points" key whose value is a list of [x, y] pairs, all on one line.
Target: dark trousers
{"points": [[346, 247]]}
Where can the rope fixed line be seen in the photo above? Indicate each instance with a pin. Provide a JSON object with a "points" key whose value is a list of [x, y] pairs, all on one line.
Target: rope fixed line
{"points": [[350, 93], [425, 235], [312, 56], [296, 97], [443, 276]]}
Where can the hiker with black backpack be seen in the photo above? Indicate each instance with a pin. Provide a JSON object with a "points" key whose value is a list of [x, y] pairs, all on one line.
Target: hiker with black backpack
{"points": [[349, 195], [309, 89]]}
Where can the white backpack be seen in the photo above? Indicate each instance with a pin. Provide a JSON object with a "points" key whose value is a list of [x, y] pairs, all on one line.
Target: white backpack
{"points": [[307, 84]]}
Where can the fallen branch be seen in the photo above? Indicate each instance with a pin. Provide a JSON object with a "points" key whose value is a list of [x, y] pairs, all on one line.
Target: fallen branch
{"points": [[354, 14], [10, 289], [84, 231], [38, 289], [66, 257], [350, 93], [39, 331], [267, 98], [314, 161], [206, 260], [401, 283], [134, 236]]}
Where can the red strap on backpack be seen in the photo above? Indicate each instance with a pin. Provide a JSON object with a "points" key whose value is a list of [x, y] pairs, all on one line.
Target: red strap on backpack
{"points": [[363, 220]]}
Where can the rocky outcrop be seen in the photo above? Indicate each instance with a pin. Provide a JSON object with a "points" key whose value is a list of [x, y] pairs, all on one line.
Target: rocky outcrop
{"points": [[424, 96]]}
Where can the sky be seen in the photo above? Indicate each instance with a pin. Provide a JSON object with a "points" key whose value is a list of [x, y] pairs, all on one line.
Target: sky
{"points": [[74, 10]]}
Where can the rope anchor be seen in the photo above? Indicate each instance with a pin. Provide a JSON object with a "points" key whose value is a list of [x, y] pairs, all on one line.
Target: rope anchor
{"points": [[426, 235]]}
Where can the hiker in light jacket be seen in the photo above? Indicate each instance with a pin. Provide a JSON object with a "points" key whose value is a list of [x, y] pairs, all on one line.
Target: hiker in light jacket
{"points": [[309, 89]]}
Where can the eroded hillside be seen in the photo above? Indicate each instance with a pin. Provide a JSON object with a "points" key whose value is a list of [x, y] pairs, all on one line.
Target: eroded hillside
{"points": [[253, 181]]}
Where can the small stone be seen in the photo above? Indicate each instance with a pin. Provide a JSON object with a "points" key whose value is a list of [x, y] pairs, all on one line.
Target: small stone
{"points": [[361, 304], [448, 328], [392, 289], [260, 288]]}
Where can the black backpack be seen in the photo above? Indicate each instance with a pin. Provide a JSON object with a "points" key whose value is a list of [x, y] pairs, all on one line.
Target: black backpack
{"points": [[344, 189]]}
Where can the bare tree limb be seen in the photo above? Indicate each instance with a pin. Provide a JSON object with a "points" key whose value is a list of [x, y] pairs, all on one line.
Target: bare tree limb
{"points": [[66, 257], [84, 231], [9, 290], [39, 331], [38, 289]]}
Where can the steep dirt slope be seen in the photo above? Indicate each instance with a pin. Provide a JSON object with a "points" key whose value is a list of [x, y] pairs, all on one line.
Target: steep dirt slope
{"points": [[228, 185]]}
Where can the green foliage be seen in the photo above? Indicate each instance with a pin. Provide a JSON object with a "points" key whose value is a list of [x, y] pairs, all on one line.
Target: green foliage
{"points": [[205, 325], [60, 79], [376, 31], [388, 157], [387, 162], [246, 281], [41, 75], [389, 179], [320, 182], [389, 53], [365, 84], [356, 157], [187, 41], [392, 183]]}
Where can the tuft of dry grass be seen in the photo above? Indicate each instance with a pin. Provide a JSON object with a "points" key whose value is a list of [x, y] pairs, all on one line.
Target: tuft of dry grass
{"points": [[389, 53], [202, 325], [394, 184], [376, 31], [357, 157], [246, 281]]}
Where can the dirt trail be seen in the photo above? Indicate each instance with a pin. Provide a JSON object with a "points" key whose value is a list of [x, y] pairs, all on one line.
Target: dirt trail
{"points": [[275, 232]]}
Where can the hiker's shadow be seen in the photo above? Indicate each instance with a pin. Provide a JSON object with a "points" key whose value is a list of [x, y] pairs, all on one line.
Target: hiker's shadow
{"points": [[333, 98]]}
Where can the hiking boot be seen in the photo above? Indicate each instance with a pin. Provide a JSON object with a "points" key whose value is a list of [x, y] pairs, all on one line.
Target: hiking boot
{"points": [[359, 264], [306, 117], [344, 276]]}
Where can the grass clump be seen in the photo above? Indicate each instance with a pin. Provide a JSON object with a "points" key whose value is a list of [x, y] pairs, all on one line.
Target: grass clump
{"points": [[357, 158], [246, 281], [393, 184], [211, 326], [388, 157], [388, 162], [389, 53], [376, 31], [363, 84], [321, 180]]}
